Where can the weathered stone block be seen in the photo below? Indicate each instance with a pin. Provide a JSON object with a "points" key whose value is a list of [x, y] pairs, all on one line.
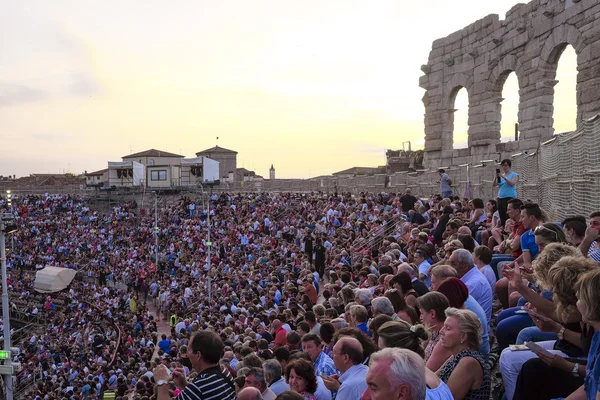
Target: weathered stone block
{"points": [[438, 43], [590, 95], [477, 119]]}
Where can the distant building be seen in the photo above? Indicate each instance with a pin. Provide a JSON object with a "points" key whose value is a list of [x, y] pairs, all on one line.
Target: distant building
{"points": [[160, 169], [150, 168], [354, 171], [227, 160], [153, 157], [272, 172], [244, 175], [97, 178]]}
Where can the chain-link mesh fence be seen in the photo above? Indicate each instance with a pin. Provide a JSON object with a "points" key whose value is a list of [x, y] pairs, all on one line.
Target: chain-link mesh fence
{"points": [[562, 175]]}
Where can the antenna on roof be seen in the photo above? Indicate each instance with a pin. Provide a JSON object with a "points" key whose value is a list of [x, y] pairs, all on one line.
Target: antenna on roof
{"points": [[217, 141]]}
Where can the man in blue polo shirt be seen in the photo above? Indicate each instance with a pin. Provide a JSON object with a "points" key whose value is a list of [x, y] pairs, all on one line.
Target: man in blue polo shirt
{"points": [[531, 218]]}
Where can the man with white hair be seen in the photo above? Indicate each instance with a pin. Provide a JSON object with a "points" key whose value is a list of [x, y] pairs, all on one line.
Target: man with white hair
{"points": [[462, 261], [363, 297], [276, 382], [386, 261], [395, 373], [383, 305], [339, 323]]}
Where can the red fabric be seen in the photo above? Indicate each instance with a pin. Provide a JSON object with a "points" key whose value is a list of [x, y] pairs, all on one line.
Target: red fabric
{"points": [[280, 338]]}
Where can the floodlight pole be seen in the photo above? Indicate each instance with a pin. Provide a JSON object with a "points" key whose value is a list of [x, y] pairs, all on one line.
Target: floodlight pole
{"points": [[208, 246], [156, 229], [8, 379]]}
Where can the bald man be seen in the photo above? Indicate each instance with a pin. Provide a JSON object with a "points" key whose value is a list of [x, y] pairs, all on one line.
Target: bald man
{"points": [[279, 333], [249, 393], [348, 357]]}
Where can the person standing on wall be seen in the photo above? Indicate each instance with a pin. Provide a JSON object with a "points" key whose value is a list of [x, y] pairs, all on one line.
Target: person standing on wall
{"points": [[445, 184], [506, 179]]}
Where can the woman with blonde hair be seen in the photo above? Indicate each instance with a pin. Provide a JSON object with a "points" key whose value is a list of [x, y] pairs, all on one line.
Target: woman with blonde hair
{"points": [[465, 373], [564, 321], [554, 377], [403, 335]]}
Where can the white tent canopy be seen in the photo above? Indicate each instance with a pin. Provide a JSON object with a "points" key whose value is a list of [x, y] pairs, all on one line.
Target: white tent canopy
{"points": [[53, 279]]}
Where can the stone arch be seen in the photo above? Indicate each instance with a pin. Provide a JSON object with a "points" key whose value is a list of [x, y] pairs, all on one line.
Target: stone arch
{"points": [[457, 82], [553, 47], [454, 85], [507, 65]]}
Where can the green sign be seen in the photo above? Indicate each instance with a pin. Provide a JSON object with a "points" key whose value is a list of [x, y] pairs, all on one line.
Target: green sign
{"points": [[4, 355], [209, 243]]}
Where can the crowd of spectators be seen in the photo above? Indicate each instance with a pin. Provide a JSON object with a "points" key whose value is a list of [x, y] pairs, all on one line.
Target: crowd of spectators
{"points": [[308, 296]]}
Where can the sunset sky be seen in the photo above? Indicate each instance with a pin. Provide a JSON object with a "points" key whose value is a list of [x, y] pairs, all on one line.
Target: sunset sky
{"points": [[312, 87]]}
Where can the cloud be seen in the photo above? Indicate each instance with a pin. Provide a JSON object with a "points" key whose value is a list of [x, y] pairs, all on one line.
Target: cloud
{"points": [[81, 84], [17, 94]]}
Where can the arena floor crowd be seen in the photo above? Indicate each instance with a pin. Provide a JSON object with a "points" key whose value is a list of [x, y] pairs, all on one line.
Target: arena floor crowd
{"points": [[307, 296]]}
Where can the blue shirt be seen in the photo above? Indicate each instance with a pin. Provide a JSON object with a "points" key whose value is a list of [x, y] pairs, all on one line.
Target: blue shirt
{"points": [[165, 345], [363, 327], [480, 289], [424, 269], [324, 365], [354, 383], [322, 393], [474, 306], [279, 386], [442, 392], [488, 272], [505, 190], [444, 186], [592, 369], [528, 244], [594, 255]]}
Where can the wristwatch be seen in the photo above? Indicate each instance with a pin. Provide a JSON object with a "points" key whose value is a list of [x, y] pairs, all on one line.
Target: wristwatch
{"points": [[161, 382], [575, 371], [561, 333]]}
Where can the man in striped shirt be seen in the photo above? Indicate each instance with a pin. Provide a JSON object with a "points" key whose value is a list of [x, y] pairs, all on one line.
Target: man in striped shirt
{"points": [[204, 351]]}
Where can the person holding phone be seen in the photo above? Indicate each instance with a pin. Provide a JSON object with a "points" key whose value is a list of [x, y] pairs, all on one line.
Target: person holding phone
{"points": [[506, 179]]}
